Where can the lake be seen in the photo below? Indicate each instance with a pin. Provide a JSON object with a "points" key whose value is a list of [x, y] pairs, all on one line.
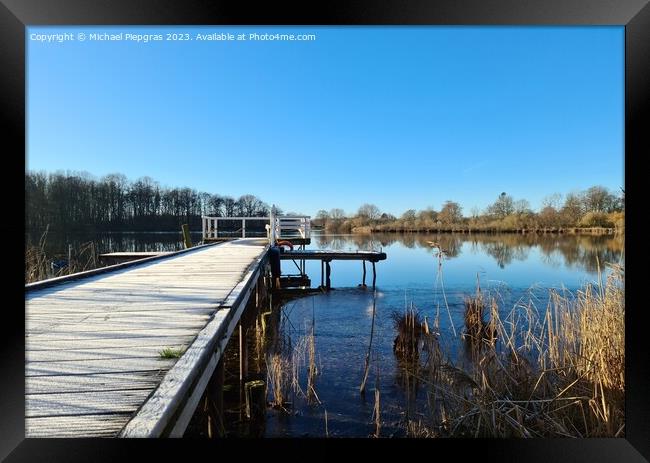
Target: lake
{"points": [[513, 268]]}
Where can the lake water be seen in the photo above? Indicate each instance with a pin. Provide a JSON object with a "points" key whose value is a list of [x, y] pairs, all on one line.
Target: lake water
{"points": [[56, 244], [510, 267]]}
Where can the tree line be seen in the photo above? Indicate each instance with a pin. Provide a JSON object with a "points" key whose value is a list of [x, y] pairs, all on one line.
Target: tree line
{"points": [[596, 207], [74, 201]]}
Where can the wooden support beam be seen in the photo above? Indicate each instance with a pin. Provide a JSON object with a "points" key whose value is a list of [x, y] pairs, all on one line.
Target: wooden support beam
{"points": [[214, 399], [328, 272], [374, 275], [363, 280], [243, 354], [255, 392], [187, 240]]}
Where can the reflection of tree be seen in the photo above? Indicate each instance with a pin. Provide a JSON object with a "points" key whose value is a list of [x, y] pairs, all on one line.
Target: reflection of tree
{"points": [[585, 251], [501, 252], [56, 244], [334, 242], [449, 242]]}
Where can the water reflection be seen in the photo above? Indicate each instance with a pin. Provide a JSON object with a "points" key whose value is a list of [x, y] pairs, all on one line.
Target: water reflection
{"points": [[56, 244], [587, 252]]}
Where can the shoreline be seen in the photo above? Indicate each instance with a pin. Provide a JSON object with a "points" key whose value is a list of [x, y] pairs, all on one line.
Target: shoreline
{"points": [[367, 230]]}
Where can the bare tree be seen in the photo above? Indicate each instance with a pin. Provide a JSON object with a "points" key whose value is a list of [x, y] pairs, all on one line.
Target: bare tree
{"points": [[322, 216], [369, 211], [451, 213], [503, 206], [598, 199], [251, 206], [553, 200], [521, 206], [337, 214]]}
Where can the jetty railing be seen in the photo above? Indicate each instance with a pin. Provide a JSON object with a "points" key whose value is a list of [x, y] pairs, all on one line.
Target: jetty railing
{"points": [[277, 227]]}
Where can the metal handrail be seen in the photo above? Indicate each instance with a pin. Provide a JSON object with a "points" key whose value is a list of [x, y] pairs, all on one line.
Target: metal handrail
{"points": [[296, 224]]}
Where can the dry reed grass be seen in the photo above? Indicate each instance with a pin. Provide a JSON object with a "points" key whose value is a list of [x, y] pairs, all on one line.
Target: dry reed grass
{"points": [[410, 329], [39, 266], [304, 357], [376, 413], [278, 378], [553, 373]]}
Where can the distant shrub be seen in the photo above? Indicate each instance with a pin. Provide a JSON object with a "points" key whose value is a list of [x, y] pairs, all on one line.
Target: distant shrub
{"points": [[595, 219], [618, 219]]}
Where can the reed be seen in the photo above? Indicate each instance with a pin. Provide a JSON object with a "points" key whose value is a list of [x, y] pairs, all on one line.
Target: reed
{"points": [[410, 328], [327, 433], [362, 388], [312, 368], [376, 413], [278, 378], [418, 429], [304, 357], [39, 266], [479, 330], [558, 372]]}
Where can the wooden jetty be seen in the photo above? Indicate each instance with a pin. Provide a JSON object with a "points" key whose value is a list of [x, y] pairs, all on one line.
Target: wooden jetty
{"points": [[95, 340], [93, 363], [327, 256]]}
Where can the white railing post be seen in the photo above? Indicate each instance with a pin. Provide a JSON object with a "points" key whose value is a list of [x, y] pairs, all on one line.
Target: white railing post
{"points": [[243, 228], [272, 226]]}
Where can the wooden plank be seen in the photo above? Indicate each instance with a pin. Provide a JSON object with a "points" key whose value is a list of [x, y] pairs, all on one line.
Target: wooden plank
{"points": [[84, 403], [110, 326], [57, 326], [104, 343], [63, 336], [76, 426], [109, 353], [136, 254], [64, 314], [128, 317], [95, 382], [84, 367]]}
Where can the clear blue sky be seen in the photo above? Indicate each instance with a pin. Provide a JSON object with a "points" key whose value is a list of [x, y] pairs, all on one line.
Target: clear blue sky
{"points": [[402, 117]]}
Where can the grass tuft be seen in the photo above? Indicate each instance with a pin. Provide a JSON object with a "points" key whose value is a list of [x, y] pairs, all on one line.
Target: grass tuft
{"points": [[171, 353]]}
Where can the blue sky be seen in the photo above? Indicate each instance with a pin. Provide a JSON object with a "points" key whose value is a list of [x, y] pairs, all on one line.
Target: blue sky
{"points": [[402, 117]]}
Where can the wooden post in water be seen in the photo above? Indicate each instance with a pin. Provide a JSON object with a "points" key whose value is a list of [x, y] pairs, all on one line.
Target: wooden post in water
{"points": [[374, 275], [243, 353], [255, 392], [363, 281], [186, 236], [243, 359], [214, 402], [328, 272], [322, 274]]}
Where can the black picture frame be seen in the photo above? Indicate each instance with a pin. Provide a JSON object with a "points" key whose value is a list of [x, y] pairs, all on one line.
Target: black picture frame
{"points": [[15, 15]]}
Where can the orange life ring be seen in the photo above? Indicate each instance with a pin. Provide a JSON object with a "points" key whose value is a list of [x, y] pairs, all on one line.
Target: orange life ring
{"points": [[284, 243]]}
